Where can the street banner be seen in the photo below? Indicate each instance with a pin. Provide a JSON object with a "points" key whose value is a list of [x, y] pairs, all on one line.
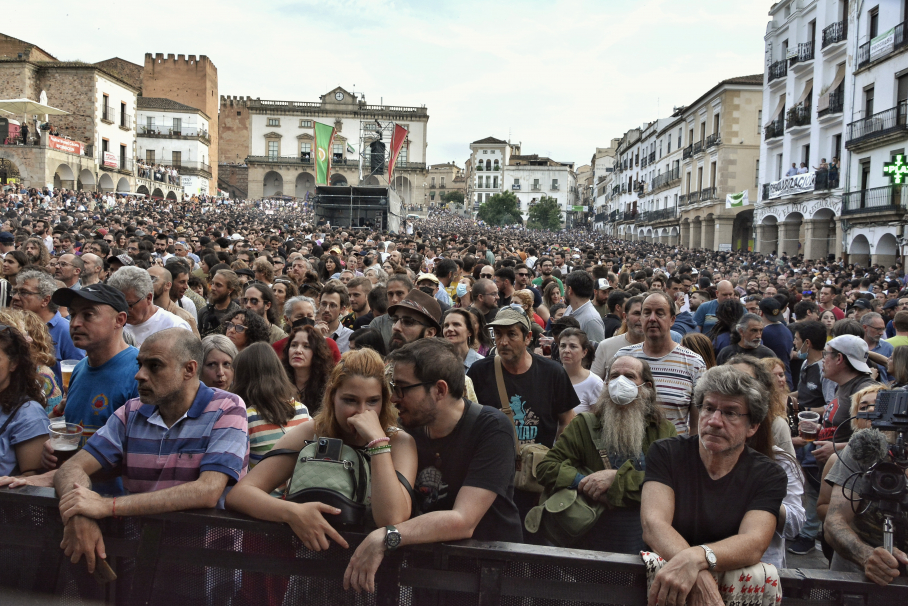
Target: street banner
{"points": [[736, 200], [797, 184], [324, 138], [67, 145], [397, 141], [110, 159]]}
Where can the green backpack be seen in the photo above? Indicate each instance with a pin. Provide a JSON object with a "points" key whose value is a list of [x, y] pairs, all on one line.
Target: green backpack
{"points": [[342, 480], [566, 515]]}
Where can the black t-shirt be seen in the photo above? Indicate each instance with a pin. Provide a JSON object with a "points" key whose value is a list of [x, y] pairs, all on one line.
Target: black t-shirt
{"points": [[537, 397], [810, 386], [708, 510], [482, 456], [760, 352]]}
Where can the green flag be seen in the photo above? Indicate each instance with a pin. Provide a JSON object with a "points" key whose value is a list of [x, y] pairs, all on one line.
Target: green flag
{"points": [[736, 200], [324, 137]]}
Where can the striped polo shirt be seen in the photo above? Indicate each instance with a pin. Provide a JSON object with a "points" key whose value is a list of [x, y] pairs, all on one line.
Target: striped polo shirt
{"points": [[211, 436], [263, 435], [675, 373]]}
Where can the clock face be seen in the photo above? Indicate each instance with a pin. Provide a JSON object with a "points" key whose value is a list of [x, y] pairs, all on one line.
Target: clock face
{"points": [[339, 96]]}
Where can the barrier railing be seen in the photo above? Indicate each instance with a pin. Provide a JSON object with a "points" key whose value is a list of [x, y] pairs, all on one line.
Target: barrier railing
{"points": [[215, 557]]}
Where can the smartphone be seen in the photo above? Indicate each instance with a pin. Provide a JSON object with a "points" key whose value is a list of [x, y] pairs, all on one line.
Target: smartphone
{"points": [[491, 330], [329, 448]]}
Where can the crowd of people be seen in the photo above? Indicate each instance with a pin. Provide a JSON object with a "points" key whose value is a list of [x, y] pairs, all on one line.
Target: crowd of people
{"points": [[499, 368], [158, 172]]}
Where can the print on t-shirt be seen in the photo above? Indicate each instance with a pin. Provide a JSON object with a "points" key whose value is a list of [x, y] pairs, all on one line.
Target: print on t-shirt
{"points": [[526, 421], [431, 487]]}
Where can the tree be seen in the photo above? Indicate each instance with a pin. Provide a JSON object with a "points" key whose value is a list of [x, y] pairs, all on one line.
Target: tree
{"points": [[454, 197], [501, 209], [546, 214]]}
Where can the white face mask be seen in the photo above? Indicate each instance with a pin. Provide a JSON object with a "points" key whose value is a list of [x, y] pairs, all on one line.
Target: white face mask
{"points": [[622, 390]]}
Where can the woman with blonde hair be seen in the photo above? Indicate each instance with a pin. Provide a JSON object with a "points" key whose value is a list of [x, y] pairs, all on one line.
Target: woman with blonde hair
{"points": [[525, 298], [42, 352], [357, 409]]}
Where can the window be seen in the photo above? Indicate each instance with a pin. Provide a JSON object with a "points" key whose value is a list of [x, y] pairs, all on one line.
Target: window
{"points": [[759, 121], [177, 126], [105, 146], [488, 182], [479, 182], [700, 178], [442, 181], [123, 118], [123, 156], [679, 137], [176, 158], [338, 149], [716, 123], [874, 23], [517, 182], [273, 149], [712, 174], [757, 175], [105, 109], [485, 151], [554, 183], [149, 122], [305, 151], [703, 131], [495, 182], [431, 195], [274, 121], [868, 102], [149, 156], [837, 145], [305, 123], [669, 150], [402, 156], [238, 113]]}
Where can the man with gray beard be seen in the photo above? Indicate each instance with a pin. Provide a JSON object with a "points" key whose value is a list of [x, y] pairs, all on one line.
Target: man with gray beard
{"points": [[602, 454]]}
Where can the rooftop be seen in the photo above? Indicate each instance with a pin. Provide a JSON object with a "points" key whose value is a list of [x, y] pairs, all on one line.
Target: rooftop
{"points": [[166, 105], [490, 141]]}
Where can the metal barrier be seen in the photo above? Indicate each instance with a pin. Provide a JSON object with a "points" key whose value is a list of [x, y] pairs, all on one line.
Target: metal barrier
{"points": [[213, 557]]}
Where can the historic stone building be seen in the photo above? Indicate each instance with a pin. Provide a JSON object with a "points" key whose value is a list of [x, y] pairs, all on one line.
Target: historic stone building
{"points": [[444, 178], [275, 140]]}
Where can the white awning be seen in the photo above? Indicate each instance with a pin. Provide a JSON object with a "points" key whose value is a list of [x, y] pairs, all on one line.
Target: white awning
{"points": [[779, 109], [808, 88]]}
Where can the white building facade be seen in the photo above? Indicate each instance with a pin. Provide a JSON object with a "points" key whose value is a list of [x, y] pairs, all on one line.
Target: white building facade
{"points": [[532, 177], [115, 138], [488, 156], [173, 134]]}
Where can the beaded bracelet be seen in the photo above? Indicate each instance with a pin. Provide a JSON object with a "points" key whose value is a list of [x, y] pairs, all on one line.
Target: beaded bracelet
{"points": [[378, 441], [378, 450]]}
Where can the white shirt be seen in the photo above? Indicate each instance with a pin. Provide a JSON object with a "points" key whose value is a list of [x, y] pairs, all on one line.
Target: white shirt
{"points": [[187, 304], [341, 336], [588, 392], [161, 320]]}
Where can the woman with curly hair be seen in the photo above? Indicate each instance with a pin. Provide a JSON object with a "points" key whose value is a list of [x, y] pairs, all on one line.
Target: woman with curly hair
{"points": [[36, 252], [23, 419], [307, 360], [357, 409], [43, 353], [244, 328]]}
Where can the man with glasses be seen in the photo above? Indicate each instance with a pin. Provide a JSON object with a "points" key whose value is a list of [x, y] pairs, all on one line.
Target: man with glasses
{"points": [[485, 298], [845, 364], [69, 271], [710, 503], [523, 275], [874, 330], [33, 292], [333, 301], [144, 317], [416, 316]]}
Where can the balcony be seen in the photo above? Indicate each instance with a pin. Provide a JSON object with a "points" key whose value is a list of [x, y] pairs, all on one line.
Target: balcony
{"points": [[707, 193], [107, 114], [883, 49], [835, 33], [643, 162], [774, 129], [301, 159], [698, 147], [799, 115], [120, 164], [878, 128], [805, 54], [535, 187], [125, 121], [555, 187], [835, 102], [167, 131], [693, 196], [712, 140], [666, 179], [682, 199], [652, 157], [876, 200], [187, 167], [688, 152], [765, 195], [479, 168], [777, 70]]}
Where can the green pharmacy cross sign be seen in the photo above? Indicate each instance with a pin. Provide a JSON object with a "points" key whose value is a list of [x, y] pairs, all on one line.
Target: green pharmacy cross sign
{"points": [[897, 170]]}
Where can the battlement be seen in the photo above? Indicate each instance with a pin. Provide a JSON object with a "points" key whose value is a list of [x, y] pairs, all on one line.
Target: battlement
{"points": [[179, 61], [235, 101]]}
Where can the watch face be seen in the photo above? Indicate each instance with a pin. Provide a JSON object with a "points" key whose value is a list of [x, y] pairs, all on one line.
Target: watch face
{"points": [[392, 539], [339, 96]]}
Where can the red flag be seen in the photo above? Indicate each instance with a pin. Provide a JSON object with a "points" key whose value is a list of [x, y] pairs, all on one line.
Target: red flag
{"points": [[397, 141]]}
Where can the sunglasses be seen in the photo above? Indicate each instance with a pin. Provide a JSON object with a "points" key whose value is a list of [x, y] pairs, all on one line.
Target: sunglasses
{"points": [[239, 328]]}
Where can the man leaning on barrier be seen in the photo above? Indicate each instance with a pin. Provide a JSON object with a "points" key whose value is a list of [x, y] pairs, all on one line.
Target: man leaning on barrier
{"points": [[710, 503], [177, 446]]}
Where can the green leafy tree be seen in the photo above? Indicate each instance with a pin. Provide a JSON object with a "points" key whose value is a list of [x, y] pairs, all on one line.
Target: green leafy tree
{"points": [[501, 209], [545, 214], [452, 197]]}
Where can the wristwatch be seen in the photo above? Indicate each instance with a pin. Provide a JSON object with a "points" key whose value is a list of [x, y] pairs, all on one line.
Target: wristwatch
{"points": [[710, 556], [392, 538]]}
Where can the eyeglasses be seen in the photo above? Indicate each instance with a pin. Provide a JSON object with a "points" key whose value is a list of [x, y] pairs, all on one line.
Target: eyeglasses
{"points": [[406, 321], [23, 293], [706, 411], [239, 328], [523, 274], [829, 353], [400, 390], [250, 300]]}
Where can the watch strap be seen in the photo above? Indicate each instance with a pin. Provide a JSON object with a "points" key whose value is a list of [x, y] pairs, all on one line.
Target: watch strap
{"points": [[710, 557]]}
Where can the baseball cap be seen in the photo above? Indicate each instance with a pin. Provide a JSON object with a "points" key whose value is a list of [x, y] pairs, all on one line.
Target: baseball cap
{"points": [[854, 348], [863, 304], [123, 259], [889, 304], [603, 284], [770, 307], [423, 304], [97, 293], [245, 272], [508, 316], [426, 276], [6, 237]]}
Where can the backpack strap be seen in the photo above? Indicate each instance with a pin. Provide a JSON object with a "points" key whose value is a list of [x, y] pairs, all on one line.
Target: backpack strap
{"points": [[277, 452], [505, 402], [589, 420]]}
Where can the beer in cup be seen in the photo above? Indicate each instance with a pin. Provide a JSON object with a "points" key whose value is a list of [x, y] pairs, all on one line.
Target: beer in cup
{"points": [[808, 426], [66, 369], [65, 439]]}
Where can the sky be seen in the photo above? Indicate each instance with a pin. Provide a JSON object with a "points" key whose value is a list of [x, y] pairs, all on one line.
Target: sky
{"points": [[560, 77]]}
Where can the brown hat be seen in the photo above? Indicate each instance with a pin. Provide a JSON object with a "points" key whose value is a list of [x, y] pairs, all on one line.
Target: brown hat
{"points": [[426, 305]]}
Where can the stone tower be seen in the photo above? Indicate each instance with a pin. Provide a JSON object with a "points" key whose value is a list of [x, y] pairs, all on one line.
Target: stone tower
{"points": [[190, 80]]}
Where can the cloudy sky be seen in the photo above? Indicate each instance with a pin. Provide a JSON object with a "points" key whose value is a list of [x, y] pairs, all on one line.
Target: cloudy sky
{"points": [[562, 77]]}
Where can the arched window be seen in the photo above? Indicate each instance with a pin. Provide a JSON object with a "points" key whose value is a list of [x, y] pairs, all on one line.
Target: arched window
{"points": [[488, 165]]}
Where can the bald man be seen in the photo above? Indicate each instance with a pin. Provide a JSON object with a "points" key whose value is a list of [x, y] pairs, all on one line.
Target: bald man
{"points": [[162, 282], [93, 268], [705, 317]]}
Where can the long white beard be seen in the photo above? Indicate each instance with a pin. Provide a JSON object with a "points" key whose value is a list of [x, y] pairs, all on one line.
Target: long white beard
{"points": [[624, 427]]}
